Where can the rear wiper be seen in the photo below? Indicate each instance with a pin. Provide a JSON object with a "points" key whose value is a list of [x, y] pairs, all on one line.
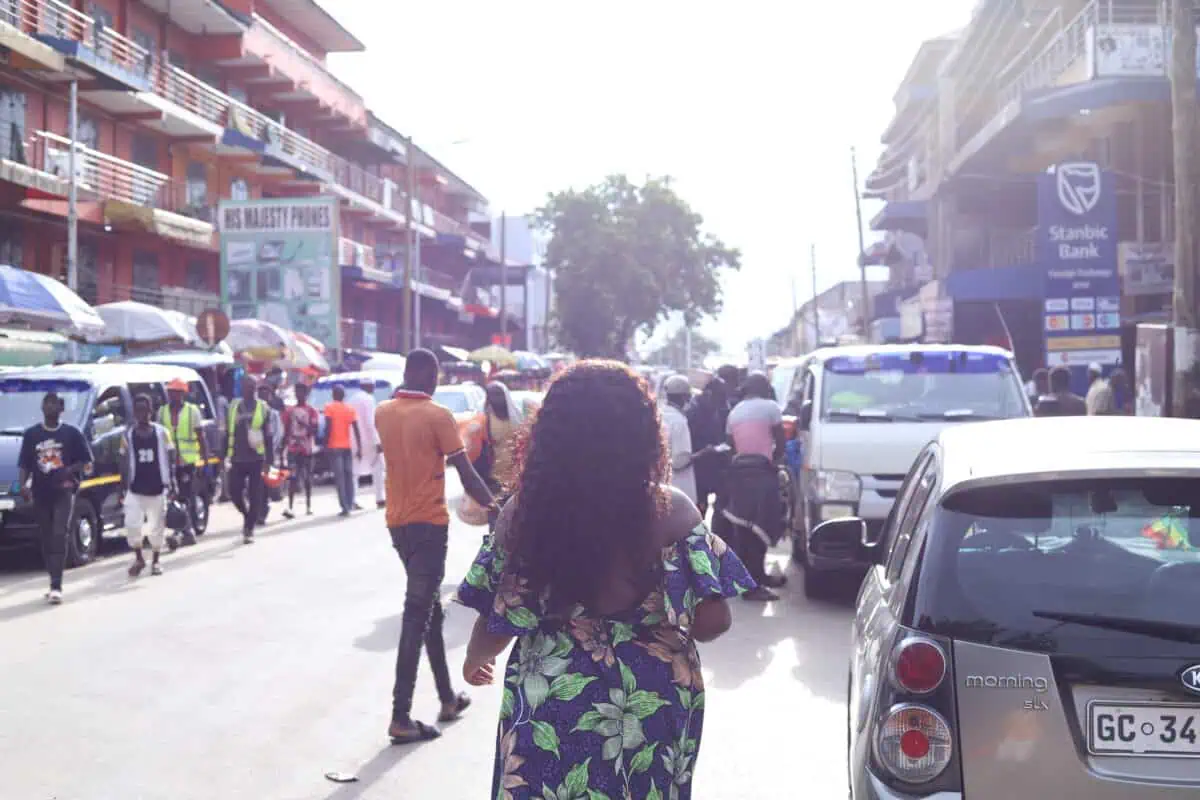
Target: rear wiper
{"points": [[862, 415], [1171, 631]]}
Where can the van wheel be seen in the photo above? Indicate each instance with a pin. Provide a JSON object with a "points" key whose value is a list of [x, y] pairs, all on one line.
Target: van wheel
{"points": [[83, 535]]}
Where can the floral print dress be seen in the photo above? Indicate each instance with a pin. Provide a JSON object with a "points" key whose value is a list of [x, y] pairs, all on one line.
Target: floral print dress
{"points": [[602, 708]]}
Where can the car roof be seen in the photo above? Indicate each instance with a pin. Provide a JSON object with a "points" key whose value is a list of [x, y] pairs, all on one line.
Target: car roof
{"points": [[979, 453], [393, 376], [864, 350], [110, 373]]}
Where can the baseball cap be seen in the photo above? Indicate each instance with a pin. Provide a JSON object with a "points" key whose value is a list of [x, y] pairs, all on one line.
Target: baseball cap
{"points": [[1095, 367], [677, 384]]}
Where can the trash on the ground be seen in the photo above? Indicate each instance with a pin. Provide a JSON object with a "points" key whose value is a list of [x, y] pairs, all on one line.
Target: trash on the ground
{"points": [[340, 777]]}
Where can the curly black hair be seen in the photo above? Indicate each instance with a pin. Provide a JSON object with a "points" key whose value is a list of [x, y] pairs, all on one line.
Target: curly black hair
{"points": [[591, 468]]}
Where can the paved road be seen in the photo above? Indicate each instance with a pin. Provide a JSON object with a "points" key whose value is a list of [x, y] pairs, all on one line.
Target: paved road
{"points": [[250, 672]]}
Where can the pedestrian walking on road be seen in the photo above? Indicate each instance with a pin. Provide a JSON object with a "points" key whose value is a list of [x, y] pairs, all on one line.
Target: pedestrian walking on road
{"points": [[300, 425], [370, 454], [419, 438], [269, 394], [182, 420], [678, 391], [606, 577], [249, 450], [147, 484], [53, 456], [340, 421], [1061, 402], [706, 415]]}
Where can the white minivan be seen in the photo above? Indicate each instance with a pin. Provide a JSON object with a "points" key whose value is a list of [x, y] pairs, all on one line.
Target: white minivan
{"points": [[863, 414]]}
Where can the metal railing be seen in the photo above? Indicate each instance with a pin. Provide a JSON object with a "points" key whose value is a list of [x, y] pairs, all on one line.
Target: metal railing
{"points": [[59, 20], [440, 280], [997, 247], [169, 298], [99, 173], [189, 92]]}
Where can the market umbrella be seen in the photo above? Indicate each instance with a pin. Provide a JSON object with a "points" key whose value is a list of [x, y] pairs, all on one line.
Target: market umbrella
{"points": [[39, 301], [310, 341], [529, 362], [128, 321], [259, 340], [303, 356], [495, 354]]}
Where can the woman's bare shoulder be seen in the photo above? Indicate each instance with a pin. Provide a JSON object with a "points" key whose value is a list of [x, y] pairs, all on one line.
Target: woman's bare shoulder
{"points": [[681, 518]]}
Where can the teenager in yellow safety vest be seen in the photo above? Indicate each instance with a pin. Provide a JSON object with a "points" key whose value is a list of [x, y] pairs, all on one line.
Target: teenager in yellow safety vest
{"points": [[182, 421], [250, 450]]}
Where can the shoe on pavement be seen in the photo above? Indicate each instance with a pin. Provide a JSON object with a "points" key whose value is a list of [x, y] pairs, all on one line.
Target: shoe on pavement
{"points": [[288, 515], [411, 732], [156, 569], [357, 507], [172, 543], [54, 597], [381, 503], [343, 514], [136, 568], [760, 594], [248, 538]]}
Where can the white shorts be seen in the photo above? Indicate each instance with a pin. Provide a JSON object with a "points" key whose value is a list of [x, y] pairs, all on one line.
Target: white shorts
{"points": [[146, 517]]}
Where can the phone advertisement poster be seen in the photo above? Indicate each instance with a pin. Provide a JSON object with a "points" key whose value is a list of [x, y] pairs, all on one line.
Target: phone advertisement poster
{"points": [[279, 264]]}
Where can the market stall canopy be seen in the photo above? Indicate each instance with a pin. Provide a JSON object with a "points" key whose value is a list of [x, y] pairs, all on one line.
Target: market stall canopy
{"points": [[258, 340], [129, 321], [495, 354], [303, 356], [529, 362], [39, 301], [447, 353]]}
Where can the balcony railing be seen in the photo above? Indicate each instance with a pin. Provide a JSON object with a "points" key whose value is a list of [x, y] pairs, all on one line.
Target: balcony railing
{"points": [[170, 298], [58, 20], [440, 280], [190, 93], [100, 174]]}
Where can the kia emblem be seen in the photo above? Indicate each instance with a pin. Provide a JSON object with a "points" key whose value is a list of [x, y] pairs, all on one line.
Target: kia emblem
{"points": [[1190, 678]]}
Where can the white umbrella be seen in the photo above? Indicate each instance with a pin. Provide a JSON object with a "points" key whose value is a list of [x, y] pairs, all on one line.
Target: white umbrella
{"points": [[302, 355], [259, 339], [128, 321]]}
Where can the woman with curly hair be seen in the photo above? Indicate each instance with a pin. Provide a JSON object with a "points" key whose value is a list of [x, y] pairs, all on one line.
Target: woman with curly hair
{"points": [[606, 578]]}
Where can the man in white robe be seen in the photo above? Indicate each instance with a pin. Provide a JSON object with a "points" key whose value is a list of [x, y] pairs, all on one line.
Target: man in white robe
{"points": [[370, 460]]}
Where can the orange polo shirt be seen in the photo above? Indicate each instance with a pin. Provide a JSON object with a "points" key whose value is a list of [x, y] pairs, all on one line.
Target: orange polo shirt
{"points": [[417, 436]]}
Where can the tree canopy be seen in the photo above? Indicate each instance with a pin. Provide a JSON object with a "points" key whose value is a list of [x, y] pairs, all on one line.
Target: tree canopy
{"points": [[624, 257]]}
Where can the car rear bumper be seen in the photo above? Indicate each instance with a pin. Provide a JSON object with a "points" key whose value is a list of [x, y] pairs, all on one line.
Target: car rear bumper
{"points": [[878, 790]]}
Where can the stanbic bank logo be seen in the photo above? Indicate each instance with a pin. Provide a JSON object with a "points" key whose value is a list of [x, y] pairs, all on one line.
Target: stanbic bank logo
{"points": [[1078, 187]]}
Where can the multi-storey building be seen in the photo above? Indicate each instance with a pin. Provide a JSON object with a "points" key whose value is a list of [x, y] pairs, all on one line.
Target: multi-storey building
{"points": [[184, 103], [1058, 260]]}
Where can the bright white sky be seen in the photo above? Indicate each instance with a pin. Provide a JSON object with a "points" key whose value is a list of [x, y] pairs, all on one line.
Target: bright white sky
{"points": [[752, 107]]}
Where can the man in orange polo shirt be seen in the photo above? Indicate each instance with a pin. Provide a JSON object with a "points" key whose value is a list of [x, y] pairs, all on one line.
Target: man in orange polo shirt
{"points": [[340, 421], [419, 437]]}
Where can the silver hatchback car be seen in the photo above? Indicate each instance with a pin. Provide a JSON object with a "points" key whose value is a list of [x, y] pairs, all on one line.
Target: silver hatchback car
{"points": [[1031, 626]]}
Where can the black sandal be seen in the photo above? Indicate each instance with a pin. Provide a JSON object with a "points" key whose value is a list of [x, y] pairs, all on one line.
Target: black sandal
{"points": [[418, 732], [451, 712]]}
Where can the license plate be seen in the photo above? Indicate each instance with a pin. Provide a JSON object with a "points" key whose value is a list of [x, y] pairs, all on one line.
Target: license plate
{"points": [[1162, 729]]}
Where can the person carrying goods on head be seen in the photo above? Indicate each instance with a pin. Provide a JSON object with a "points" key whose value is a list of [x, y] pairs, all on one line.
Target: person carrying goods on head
{"points": [[182, 420]]}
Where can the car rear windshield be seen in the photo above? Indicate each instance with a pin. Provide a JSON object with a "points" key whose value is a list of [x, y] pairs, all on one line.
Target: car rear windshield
{"points": [[1086, 567], [322, 393], [452, 399], [921, 386], [21, 401]]}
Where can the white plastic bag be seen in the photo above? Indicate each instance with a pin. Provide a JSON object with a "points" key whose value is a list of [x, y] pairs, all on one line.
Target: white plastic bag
{"points": [[471, 512]]}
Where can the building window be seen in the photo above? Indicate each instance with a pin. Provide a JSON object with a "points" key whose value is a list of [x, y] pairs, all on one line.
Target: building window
{"points": [[145, 151], [196, 276], [11, 251], [12, 125], [146, 278], [239, 189], [148, 42], [89, 288], [197, 185]]}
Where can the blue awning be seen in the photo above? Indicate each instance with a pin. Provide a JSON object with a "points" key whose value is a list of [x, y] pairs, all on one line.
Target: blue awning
{"points": [[901, 215], [1022, 282]]}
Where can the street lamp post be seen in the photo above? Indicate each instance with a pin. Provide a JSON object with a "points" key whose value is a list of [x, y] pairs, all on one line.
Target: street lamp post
{"points": [[73, 192]]}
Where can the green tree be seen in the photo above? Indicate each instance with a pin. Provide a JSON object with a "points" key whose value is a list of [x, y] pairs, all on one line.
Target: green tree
{"points": [[624, 257], [673, 352]]}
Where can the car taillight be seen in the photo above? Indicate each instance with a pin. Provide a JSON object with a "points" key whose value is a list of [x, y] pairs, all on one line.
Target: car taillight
{"points": [[914, 743], [918, 665]]}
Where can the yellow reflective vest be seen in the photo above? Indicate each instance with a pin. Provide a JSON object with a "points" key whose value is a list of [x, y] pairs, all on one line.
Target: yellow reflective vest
{"points": [[185, 434], [256, 425]]}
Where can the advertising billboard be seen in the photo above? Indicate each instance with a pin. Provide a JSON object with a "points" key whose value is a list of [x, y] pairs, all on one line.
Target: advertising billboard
{"points": [[1077, 245], [279, 264]]}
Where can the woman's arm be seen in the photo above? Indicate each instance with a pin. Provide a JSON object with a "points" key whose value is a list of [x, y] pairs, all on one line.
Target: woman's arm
{"points": [[479, 667]]}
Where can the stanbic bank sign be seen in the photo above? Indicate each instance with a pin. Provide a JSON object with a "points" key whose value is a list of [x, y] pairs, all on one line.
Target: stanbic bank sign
{"points": [[1077, 245]]}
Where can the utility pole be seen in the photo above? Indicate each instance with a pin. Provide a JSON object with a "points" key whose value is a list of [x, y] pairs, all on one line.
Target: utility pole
{"points": [[73, 192], [410, 251], [1184, 138], [816, 299], [504, 278], [866, 295], [417, 274]]}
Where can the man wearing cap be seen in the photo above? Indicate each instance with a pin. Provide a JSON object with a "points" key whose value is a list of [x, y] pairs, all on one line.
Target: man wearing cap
{"points": [[182, 420], [679, 437]]}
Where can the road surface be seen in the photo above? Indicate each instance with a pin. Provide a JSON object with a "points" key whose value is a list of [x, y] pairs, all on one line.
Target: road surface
{"points": [[251, 672]]}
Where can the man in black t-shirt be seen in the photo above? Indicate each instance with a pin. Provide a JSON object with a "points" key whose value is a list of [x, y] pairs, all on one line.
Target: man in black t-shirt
{"points": [[53, 457]]}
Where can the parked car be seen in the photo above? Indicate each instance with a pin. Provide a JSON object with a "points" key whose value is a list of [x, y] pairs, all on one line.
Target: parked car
{"points": [[1028, 625], [386, 381], [863, 414], [467, 402], [99, 401]]}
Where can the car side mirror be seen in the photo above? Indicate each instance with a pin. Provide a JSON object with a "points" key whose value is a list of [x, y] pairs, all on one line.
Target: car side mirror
{"points": [[804, 420], [839, 538]]}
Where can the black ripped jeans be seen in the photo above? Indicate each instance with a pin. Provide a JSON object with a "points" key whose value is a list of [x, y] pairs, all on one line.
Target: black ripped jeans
{"points": [[422, 549]]}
